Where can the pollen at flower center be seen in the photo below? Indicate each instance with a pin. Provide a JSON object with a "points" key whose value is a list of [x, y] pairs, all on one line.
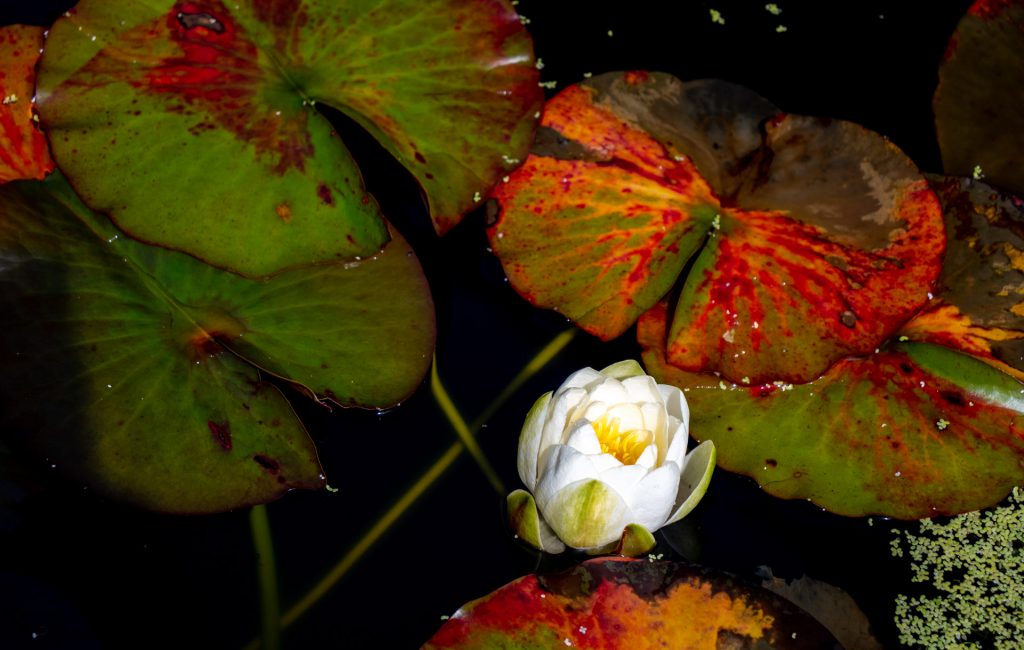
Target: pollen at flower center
{"points": [[626, 446]]}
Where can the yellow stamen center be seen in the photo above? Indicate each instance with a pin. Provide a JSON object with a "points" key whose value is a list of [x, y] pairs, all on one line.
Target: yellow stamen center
{"points": [[626, 446]]}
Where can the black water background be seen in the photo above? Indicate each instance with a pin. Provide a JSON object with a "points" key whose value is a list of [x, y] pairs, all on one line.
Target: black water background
{"points": [[78, 571]]}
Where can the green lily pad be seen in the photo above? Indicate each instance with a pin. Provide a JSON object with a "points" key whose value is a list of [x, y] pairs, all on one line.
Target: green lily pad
{"points": [[23, 151], [915, 430], [930, 424], [193, 124], [619, 603], [126, 366], [977, 103], [810, 240]]}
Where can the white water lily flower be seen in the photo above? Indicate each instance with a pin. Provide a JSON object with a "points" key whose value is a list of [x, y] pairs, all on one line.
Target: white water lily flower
{"points": [[604, 459]]}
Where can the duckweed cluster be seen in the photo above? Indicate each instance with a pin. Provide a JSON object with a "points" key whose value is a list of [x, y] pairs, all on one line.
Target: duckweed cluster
{"points": [[974, 566]]}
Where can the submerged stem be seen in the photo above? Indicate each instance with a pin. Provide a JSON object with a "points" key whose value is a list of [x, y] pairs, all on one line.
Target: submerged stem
{"points": [[459, 424], [270, 610], [409, 498]]}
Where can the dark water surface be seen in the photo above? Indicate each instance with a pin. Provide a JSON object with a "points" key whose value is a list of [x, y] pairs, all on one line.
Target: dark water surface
{"points": [[77, 571]]}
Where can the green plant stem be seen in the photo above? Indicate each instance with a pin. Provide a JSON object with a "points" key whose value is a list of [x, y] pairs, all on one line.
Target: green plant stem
{"points": [[539, 360], [409, 498], [462, 429], [270, 610]]}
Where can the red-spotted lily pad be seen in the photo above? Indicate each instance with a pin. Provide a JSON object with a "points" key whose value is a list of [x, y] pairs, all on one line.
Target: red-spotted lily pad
{"points": [[194, 126], [615, 603], [131, 367], [977, 103], [933, 423], [809, 240], [23, 152]]}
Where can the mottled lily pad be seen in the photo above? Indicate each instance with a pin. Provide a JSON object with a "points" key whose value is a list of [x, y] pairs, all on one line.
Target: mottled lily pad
{"points": [[810, 240], [616, 603], [193, 124], [979, 303], [128, 366], [23, 151], [933, 423], [977, 103]]}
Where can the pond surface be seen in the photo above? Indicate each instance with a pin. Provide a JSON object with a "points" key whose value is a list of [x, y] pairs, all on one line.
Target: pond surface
{"points": [[78, 571]]}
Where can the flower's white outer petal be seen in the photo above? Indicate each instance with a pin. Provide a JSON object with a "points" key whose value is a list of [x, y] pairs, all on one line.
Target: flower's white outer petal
{"points": [[656, 421], [696, 475], [677, 441], [624, 479], [654, 497], [604, 462], [675, 404], [609, 391], [581, 379], [555, 422], [587, 514], [649, 457], [642, 389], [564, 465], [530, 441], [549, 542], [584, 439], [623, 370], [629, 416]]}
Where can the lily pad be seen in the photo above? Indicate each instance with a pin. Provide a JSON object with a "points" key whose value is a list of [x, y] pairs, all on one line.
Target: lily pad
{"points": [[23, 151], [126, 365], [933, 423], [814, 240], [915, 430], [979, 304], [193, 124], [977, 103], [617, 603], [830, 605]]}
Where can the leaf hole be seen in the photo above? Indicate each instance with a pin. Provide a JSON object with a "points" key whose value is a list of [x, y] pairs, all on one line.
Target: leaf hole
{"points": [[191, 21]]}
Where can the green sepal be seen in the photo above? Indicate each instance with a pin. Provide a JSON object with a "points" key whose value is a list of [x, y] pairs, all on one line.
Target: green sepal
{"points": [[636, 540], [696, 476], [528, 525], [624, 370]]}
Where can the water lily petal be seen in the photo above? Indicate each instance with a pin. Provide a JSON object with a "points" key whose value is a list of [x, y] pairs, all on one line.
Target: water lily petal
{"points": [[678, 437], [584, 438], [656, 421], [554, 425], [530, 440], [675, 402], [624, 479], [610, 391], [592, 411], [629, 416], [693, 483], [649, 458], [549, 542], [564, 465], [623, 370], [587, 514], [654, 497], [642, 389], [581, 379], [604, 462]]}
